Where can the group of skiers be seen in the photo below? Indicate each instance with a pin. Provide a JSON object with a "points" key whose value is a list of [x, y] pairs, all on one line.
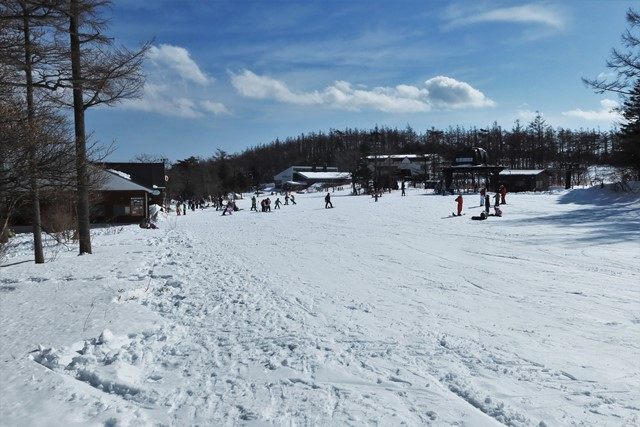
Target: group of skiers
{"points": [[265, 204], [500, 198]]}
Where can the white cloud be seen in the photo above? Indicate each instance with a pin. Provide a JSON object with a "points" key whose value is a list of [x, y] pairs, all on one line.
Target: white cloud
{"points": [[525, 114], [178, 59], [214, 107], [607, 112], [448, 92], [174, 86], [525, 14], [160, 98], [437, 92]]}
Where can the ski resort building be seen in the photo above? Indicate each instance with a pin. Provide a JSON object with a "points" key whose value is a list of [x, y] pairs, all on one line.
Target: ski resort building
{"points": [[470, 168], [517, 180], [405, 166], [299, 177], [147, 174], [119, 199]]}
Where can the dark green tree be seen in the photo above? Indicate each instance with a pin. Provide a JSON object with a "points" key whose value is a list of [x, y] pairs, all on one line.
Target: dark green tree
{"points": [[628, 152]]}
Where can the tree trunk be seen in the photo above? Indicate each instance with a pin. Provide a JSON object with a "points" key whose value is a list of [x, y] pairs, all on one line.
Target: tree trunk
{"points": [[33, 165], [82, 188]]}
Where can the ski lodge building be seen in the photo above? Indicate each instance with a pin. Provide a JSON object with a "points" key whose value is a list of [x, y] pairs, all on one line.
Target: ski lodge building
{"points": [[517, 180], [405, 166], [299, 177]]}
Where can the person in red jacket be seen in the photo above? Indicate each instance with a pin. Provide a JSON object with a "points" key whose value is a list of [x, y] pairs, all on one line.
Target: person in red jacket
{"points": [[503, 194], [459, 200]]}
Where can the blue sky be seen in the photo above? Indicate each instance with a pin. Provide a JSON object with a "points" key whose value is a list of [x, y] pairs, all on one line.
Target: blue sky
{"points": [[232, 74]]}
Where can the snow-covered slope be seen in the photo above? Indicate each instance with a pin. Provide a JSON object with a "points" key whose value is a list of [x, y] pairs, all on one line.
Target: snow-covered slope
{"points": [[385, 312]]}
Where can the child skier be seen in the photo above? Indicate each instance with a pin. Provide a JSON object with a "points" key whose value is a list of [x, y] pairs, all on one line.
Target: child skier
{"points": [[503, 194], [459, 200], [278, 203]]}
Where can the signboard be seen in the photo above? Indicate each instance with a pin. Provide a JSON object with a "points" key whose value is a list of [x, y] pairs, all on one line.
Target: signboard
{"points": [[137, 206]]}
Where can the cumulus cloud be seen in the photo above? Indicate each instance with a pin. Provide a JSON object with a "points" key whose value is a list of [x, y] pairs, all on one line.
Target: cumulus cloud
{"points": [[175, 86], [178, 59], [437, 92], [606, 113], [527, 14]]}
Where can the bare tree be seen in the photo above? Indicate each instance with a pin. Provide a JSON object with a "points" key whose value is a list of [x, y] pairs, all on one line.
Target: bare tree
{"points": [[25, 46], [98, 72]]}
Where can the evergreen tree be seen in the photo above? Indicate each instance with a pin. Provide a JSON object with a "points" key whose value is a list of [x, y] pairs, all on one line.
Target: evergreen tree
{"points": [[628, 153]]}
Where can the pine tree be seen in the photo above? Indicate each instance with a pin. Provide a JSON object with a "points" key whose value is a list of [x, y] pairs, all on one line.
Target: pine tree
{"points": [[629, 149]]}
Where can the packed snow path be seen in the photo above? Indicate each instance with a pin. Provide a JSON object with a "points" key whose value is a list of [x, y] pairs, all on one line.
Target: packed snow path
{"points": [[389, 312]]}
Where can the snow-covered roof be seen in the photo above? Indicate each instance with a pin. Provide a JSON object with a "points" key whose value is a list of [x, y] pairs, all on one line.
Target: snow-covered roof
{"points": [[325, 175], [295, 183], [399, 156], [521, 171], [111, 180], [122, 174]]}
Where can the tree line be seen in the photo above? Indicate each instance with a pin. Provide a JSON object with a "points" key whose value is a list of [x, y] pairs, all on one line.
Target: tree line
{"points": [[56, 61], [533, 145]]}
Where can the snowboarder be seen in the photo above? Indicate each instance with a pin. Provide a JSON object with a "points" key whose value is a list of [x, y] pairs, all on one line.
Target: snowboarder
{"points": [[278, 203], [483, 192], [253, 204], [327, 201], [402, 187], [487, 203], [293, 199], [503, 194], [459, 200]]}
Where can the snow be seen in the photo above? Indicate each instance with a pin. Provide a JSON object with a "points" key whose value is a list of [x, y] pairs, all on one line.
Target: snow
{"points": [[111, 180], [521, 171], [120, 174], [390, 312], [325, 175]]}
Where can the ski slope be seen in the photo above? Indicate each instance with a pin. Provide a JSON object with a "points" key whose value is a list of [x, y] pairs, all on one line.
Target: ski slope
{"points": [[389, 312]]}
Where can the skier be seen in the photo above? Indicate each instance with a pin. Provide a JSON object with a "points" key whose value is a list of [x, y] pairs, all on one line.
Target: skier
{"points": [[228, 209], [402, 187], [459, 200], [483, 191], [253, 204], [497, 199], [286, 198], [503, 194], [487, 204], [293, 199], [327, 201], [278, 203], [178, 208], [184, 208]]}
